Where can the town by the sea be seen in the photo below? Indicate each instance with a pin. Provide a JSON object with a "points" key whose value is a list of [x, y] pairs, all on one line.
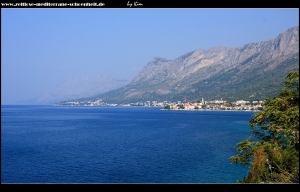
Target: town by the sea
{"points": [[104, 144]]}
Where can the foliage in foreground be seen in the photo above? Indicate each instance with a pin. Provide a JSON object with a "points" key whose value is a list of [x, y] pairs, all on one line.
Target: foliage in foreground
{"points": [[272, 149]]}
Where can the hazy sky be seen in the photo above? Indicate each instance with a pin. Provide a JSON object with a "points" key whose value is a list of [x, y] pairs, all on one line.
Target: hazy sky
{"points": [[42, 48]]}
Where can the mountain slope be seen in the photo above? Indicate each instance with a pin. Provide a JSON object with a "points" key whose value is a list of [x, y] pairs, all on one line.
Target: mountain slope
{"points": [[253, 71]]}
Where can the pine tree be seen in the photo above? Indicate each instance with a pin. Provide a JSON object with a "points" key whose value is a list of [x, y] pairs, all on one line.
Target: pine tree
{"points": [[272, 149]]}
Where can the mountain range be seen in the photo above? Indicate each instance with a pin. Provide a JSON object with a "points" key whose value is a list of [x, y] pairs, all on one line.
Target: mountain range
{"points": [[253, 71]]}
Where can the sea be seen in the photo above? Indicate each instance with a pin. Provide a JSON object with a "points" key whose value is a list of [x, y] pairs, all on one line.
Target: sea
{"points": [[116, 145]]}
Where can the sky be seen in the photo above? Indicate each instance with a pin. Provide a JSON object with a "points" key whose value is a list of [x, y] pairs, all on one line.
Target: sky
{"points": [[43, 47]]}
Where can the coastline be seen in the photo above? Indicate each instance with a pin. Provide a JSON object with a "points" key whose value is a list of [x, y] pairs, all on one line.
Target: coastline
{"points": [[210, 110]]}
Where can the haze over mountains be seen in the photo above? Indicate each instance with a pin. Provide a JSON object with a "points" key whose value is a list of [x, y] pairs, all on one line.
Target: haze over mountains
{"points": [[253, 71], [77, 87]]}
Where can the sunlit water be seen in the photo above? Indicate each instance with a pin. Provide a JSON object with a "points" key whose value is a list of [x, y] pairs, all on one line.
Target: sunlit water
{"points": [[51, 144]]}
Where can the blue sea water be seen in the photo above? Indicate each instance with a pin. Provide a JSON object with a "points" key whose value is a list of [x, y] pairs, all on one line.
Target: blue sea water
{"points": [[60, 144]]}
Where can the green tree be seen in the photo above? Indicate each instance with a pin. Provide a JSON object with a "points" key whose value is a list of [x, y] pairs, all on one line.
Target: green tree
{"points": [[272, 149], [167, 107]]}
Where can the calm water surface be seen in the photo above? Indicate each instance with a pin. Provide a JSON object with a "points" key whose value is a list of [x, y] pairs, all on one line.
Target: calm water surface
{"points": [[52, 144]]}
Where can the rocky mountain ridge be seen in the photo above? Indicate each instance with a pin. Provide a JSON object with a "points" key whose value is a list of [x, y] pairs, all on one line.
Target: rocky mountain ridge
{"points": [[257, 69], [220, 58]]}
